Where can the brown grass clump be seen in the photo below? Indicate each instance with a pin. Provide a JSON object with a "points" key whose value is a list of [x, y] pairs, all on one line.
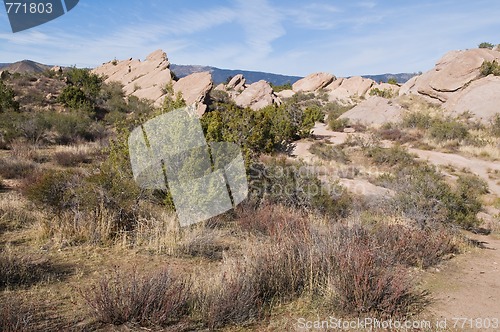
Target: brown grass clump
{"points": [[16, 168], [156, 298], [16, 317]]}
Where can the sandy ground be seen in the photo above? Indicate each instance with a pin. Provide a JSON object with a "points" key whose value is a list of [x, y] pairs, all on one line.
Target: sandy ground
{"points": [[467, 286]]}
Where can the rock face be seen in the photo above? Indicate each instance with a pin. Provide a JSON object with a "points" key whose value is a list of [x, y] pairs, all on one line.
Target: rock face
{"points": [[313, 82], [481, 98], [394, 89], [453, 72], [194, 89], [237, 83], [286, 94], [356, 86], [145, 79], [374, 111], [257, 96]]}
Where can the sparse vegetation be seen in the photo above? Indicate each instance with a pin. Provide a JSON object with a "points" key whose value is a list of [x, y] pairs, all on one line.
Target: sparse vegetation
{"points": [[490, 68], [486, 45]]}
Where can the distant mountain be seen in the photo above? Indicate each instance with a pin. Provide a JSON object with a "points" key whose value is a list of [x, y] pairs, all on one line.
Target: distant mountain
{"points": [[25, 66], [221, 75], [400, 78]]}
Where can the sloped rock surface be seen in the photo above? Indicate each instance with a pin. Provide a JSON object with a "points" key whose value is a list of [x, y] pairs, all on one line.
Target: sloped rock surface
{"points": [[313, 82], [257, 95], [194, 89], [374, 111]]}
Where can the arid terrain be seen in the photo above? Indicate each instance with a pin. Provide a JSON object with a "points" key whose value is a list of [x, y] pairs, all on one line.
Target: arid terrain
{"points": [[366, 200]]}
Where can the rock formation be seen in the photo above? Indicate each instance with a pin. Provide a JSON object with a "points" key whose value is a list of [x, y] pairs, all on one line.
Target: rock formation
{"points": [[194, 89], [143, 79], [374, 111], [257, 96], [313, 82]]}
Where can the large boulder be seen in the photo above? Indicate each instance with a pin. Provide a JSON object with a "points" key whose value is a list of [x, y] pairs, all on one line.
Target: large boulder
{"points": [[194, 89], [453, 72], [237, 83], [349, 88], [393, 89], [143, 79], [313, 82], [257, 95], [481, 98], [285, 94], [374, 111]]}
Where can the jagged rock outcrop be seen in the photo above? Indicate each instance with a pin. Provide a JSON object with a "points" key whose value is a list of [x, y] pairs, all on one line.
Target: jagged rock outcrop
{"points": [[452, 73], [257, 96], [143, 79], [348, 88], [313, 82], [237, 83], [374, 111], [195, 89], [481, 98]]}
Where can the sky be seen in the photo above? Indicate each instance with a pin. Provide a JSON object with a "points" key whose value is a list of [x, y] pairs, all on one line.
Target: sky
{"points": [[345, 38]]}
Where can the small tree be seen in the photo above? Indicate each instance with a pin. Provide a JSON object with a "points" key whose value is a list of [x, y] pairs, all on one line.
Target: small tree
{"points": [[486, 45]]}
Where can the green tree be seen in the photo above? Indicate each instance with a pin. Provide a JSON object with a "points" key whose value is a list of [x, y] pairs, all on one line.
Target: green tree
{"points": [[486, 45], [7, 99]]}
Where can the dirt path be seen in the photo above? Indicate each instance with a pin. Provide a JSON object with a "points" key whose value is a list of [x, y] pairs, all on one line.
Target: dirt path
{"points": [[467, 286]]}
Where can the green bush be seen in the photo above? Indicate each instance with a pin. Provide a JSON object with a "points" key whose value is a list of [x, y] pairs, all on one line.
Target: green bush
{"points": [[384, 93], [392, 81], [423, 195], [7, 99], [417, 120], [395, 155], [448, 129], [338, 124], [329, 152], [490, 67], [486, 45]]}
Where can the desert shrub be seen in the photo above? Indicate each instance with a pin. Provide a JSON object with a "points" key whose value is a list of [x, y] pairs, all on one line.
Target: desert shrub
{"points": [[423, 195], [158, 298], [231, 297], [329, 152], [338, 124], [23, 271], [384, 93], [418, 120], [448, 129], [279, 88], [52, 188], [364, 284], [15, 316], [495, 125], [394, 134], [490, 68], [295, 186], [16, 168], [7, 98], [206, 243], [392, 81], [486, 45], [71, 158], [334, 109], [394, 155]]}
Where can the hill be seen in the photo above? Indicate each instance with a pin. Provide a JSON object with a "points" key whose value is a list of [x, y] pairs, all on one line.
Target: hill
{"points": [[24, 66], [221, 75]]}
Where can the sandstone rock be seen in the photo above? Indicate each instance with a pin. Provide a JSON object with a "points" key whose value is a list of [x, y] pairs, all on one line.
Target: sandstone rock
{"points": [[313, 82], [142, 79], [256, 96], [349, 130], [285, 94], [408, 86], [481, 98], [453, 72], [356, 86], [195, 89], [237, 83], [374, 111], [56, 69]]}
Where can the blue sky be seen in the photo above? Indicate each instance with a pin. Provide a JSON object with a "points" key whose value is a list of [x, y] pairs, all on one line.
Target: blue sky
{"points": [[290, 37]]}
